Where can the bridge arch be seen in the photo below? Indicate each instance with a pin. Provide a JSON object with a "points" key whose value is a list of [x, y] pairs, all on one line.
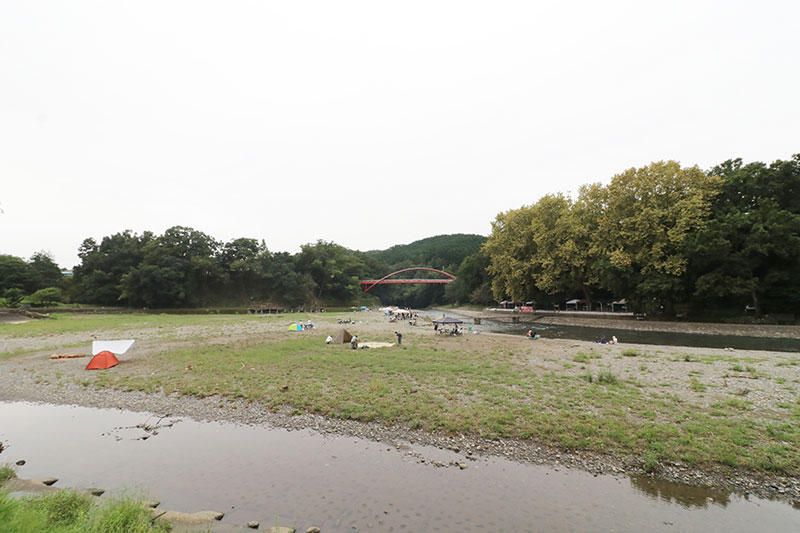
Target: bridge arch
{"points": [[368, 284]]}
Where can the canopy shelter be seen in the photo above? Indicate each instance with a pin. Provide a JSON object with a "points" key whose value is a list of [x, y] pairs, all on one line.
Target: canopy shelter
{"points": [[294, 326], [620, 305], [343, 337], [577, 304], [117, 347], [447, 320]]}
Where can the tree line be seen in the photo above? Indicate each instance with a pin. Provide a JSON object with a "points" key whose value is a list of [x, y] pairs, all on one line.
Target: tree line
{"points": [[659, 236], [663, 237], [185, 267]]}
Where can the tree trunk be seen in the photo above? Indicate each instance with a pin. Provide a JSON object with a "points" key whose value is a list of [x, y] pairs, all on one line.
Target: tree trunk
{"points": [[587, 296]]}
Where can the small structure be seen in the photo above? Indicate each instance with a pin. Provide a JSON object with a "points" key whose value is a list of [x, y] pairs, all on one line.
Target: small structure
{"points": [[294, 326], [343, 337], [104, 359]]}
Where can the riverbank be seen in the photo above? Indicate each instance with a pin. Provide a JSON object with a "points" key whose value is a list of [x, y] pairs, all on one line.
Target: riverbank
{"points": [[727, 419]]}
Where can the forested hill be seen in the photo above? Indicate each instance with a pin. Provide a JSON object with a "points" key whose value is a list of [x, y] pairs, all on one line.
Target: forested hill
{"points": [[438, 252]]}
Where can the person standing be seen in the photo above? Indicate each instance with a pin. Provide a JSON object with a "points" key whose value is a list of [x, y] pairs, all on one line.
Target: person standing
{"points": [[399, 337]]}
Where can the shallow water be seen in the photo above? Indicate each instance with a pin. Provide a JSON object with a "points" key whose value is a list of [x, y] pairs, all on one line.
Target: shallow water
{"points": [[302, 478], [651, 337]]}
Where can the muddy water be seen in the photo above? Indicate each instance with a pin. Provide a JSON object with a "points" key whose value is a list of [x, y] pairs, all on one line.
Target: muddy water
{"points": [[302, 478]]}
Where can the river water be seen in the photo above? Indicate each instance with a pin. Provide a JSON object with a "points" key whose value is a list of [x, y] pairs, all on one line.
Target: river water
{"points": [[630, 336], [303, 478]]}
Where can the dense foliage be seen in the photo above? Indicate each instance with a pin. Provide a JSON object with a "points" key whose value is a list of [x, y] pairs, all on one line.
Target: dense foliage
{"points": [[659, 236], [663, 237]]}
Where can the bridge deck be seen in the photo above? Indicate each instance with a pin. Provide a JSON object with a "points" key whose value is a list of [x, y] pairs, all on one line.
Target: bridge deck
{"points": [[385, 281]]}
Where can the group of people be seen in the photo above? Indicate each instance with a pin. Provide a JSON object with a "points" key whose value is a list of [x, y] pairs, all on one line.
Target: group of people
{"points": [[603, 340], [532, 335]]}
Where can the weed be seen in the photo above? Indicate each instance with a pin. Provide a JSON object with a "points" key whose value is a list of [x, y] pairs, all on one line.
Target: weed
{"points": [[6, 472], [630, 352], [606, 376], [61, 507], [737, 368], [581, 358], [696, 386]]}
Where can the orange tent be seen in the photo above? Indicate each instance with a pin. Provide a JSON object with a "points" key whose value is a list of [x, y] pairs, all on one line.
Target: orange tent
{"points": [[104, 359]]}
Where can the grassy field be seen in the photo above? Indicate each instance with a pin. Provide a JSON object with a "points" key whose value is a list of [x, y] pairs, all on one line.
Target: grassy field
{"points": [[653, 403]]}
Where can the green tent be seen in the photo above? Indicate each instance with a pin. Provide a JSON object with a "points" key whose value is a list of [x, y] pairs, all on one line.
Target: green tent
{"points": [[295, 327]]}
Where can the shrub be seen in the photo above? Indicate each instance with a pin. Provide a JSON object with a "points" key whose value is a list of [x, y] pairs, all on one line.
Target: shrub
{"points": [[606, 376]]}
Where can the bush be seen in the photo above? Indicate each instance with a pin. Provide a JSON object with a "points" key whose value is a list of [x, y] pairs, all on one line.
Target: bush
{"points": [[606, 376], [45, 297]]}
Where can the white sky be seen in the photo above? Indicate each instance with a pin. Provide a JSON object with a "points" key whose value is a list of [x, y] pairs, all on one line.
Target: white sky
{"points": [[367, 123]]}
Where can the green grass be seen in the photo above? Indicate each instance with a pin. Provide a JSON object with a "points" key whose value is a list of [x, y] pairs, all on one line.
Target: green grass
{"points": [[65, 511], [6, 472]]}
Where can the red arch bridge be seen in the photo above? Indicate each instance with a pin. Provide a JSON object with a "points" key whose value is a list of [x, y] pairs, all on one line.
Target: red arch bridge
{"points": [[369, 283]]}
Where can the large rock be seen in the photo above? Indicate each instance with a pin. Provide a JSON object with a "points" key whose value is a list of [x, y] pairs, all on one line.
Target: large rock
{"points": [[281, 529], [201, 517]]}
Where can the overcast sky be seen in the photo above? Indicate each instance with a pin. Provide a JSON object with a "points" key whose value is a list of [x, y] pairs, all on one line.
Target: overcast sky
{"points": [[367, 123]]}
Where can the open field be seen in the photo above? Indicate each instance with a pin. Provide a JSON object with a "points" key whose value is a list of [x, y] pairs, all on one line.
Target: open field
{"points": [[731, 412]]}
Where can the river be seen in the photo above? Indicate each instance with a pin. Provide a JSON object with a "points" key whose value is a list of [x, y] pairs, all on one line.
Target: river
{"points": [[303, 478]]}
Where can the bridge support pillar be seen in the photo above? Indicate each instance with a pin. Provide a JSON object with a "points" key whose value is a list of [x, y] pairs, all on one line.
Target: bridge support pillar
{"points": [[477, 320]]}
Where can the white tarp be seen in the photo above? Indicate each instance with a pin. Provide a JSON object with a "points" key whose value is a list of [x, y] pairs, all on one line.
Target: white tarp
{"points": [[115, 347]]}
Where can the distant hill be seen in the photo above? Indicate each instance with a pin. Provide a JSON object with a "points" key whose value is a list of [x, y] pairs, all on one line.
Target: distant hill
{"points": [[440, 251]]}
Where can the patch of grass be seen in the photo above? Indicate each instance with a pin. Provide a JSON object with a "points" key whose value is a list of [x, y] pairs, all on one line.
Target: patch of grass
{"points": [[66, 511], [580, 358], [61, 507], [6, 472], [737, 368], [630, 352], [607, 377], [696, 386]]}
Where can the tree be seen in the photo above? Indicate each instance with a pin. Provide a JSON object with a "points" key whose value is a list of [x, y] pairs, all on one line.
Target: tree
{"points": [[15, 273], [510, 248], [650, 213], [563, 233], [750, 249], [335, 270], [45, 271], [179, 269], [98, 278]]}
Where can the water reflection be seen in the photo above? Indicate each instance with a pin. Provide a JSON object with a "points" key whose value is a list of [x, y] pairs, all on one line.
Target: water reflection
{"points": [[682, 494]]}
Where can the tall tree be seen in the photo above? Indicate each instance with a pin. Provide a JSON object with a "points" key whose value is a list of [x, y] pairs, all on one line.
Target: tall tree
{"points": [[649, 215], [511, 247], [564, 232], [750, 249], [99, 276], [179, 269], [335, 270]]}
